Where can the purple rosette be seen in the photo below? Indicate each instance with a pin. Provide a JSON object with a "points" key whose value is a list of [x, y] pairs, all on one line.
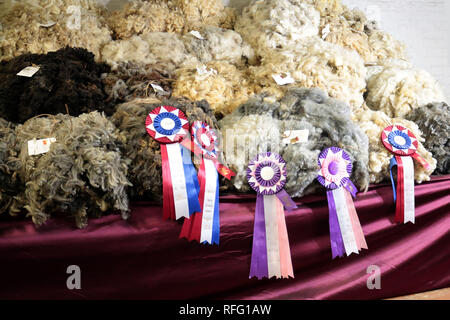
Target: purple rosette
{"points": [[334, 174], [266, 174], [335, 169]]}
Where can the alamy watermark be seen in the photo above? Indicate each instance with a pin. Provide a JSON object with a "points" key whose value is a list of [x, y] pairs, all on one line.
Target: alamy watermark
{"points": [[74, 20], [374, 279], [74, 280]]}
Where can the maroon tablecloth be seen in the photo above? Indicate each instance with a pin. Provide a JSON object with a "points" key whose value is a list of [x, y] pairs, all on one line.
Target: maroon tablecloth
{"points": [[143, 257]]}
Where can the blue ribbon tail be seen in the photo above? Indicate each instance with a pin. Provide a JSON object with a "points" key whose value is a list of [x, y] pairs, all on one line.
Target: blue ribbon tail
{"points": [[216, 219], [391, 165], [192, 185]]}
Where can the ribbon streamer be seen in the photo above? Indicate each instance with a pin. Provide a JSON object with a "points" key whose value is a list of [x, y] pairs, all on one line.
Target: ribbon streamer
{"points": [[346, 235], [404, 197], [204, 226], [168, 126], [271, 255], [403, 144]]}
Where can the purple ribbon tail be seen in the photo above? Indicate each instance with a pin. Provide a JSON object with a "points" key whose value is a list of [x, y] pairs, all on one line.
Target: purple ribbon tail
{"points": [[351, 188], [259, 267], [337, 244], [286, 200]]}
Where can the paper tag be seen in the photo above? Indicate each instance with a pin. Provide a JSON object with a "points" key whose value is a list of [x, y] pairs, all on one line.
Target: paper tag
{"points": [[158, 89], [203, 70], [326, 31], [281, 80], [28, 72], [41, 146], [47, 24], [295, 136], [197, 34]]}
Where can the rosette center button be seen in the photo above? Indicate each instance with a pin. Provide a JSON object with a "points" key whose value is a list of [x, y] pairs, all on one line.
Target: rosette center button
{"points": [[333, 168], [167, 124], [267, 173], [205, 140], [400, 140]]}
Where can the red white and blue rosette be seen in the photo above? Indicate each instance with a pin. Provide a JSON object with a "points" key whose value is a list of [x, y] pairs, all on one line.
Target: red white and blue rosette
{"points": [[204, 226], [271, 256], [169, 126], [403, 144], [346, 235], [205, 139]]}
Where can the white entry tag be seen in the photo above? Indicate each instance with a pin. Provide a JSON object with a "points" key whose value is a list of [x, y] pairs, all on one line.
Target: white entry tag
{"points": [[295, 136], [283, 79], [326, 31], [197, 34], [28, 72], [41, 146], [203, 70], [159, 89], [47, 24]]}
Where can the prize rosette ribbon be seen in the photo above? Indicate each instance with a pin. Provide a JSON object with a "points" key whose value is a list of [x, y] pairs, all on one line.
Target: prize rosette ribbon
{"points": [[346, 234], [204, 226], [403, 144], [169, 126], [271, 255]]}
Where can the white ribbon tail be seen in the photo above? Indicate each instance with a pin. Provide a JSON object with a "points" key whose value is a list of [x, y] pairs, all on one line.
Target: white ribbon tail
{"points": [[209, 201], [345, 222], [272, 239], [408, 179], [178, 180]]}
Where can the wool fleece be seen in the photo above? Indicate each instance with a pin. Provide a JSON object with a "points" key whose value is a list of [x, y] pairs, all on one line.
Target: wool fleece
{"points": [[68, 81], [83, 173], [261, 124]]}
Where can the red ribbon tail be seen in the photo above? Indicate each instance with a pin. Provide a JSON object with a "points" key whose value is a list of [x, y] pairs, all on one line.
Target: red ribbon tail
{"points": [[400, 203], [196, 228], [187, 228], [422, 161], [223, 170], [192, 227], [187, 143]]}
